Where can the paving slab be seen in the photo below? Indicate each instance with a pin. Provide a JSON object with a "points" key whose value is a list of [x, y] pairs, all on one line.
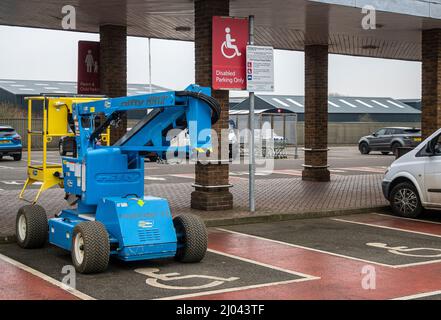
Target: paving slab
{"points": [[276, 199]]}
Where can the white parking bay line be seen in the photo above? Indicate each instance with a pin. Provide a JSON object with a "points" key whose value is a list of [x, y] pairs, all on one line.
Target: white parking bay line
{"points": [[307, 248], [183, 175], [419, 295], [385, 227], [337, 171], [18, 182], [257, 173], [408, 219], [260, 172], [304, 277], [401, 230], [300, 274], [7, 168], [12, 183], [154, 178], [289, 172], [41, 275], [256, 286], [366, 169]]}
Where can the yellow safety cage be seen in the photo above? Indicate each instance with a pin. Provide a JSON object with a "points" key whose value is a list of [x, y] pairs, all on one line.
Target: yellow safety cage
{"points": [[55, 123]]}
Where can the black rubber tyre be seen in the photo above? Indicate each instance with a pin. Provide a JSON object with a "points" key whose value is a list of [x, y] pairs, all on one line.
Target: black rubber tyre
{"points": [[17, 157], [31, 227], [364, 148], [90, 247], [385, 153], [395, 147], [405, 201], [192, 238]]}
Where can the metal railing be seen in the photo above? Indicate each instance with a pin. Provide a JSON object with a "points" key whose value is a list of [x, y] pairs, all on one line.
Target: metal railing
{"points": [[21, 126]]}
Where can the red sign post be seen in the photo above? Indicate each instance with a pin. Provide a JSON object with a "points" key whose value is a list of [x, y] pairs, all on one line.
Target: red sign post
{"points": [[88, 67], [230, 37]]}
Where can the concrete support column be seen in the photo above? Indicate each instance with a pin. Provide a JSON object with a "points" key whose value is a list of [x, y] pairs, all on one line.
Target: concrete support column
{"points": [[211, 180], [431, 82], [316, 114], [113, 69]]}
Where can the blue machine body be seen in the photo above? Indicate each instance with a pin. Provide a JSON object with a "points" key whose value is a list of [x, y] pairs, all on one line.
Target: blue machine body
{"points": [[107, 183]]}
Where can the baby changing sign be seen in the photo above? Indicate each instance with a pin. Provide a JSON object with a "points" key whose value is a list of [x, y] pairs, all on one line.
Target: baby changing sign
{"points": [[229, 41], [88, 67]]}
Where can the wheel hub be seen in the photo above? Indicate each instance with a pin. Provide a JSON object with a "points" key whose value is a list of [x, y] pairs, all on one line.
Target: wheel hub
{"points": [[406, 200], [79, 248], [22, 227]]}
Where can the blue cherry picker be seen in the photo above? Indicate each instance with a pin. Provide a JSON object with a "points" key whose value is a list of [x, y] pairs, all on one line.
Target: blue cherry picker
{"points": [[107, 213]]}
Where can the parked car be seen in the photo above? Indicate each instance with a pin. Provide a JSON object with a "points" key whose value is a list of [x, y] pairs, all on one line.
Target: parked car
{"points": [[10, 143], [413, 182], [388, 140]]}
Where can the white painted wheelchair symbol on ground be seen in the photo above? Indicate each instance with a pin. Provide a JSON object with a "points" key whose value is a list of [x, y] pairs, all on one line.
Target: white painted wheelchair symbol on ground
{"points": [[154, 278], [406, 251]]}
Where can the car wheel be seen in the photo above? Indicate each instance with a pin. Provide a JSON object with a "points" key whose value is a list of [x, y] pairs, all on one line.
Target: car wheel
{"points": [[405, 201], [364, 148], [17, 157], [395, 147], [384, 152], [1, 157]]}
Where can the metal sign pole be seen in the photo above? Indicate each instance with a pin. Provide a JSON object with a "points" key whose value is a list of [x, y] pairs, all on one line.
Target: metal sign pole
{"points": [[296, 150], [252, 165], [150, 67]]}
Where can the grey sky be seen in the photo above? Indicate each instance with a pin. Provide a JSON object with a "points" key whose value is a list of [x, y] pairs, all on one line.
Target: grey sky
{"points": [[38, 54]]}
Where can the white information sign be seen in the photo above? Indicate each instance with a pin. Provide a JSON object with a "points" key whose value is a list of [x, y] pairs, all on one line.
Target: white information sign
{"points": [[260, 68]]}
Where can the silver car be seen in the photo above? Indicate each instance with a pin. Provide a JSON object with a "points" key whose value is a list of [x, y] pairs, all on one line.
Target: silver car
{"points": [[388, 140]]}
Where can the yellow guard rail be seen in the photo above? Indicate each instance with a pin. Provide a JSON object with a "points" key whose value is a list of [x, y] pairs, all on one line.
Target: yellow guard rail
{"points": [[55, 124]]}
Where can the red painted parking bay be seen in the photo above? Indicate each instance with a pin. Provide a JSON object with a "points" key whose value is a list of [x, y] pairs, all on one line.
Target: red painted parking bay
{"points": [[18, 284], [339, 277], [310, 259]]}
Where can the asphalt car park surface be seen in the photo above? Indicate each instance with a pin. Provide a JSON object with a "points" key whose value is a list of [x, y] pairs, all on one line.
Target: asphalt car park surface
{"points": [[342, 160], [169, 279], [326, 258], [360, 240]]}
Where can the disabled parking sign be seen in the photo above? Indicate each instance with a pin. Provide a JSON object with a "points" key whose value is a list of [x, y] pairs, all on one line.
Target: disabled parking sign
{"points": [[229, 41]]}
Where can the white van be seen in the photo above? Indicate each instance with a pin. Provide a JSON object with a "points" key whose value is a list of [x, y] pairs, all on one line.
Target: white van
{"points": [[413, 182]]}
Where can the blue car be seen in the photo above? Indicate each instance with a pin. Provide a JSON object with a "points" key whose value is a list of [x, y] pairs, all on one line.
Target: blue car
{"points": [[10, 143]]}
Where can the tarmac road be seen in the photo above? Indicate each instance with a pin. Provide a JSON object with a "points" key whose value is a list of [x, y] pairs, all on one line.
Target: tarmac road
{"points": [[342, 160], [364, 256]]}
